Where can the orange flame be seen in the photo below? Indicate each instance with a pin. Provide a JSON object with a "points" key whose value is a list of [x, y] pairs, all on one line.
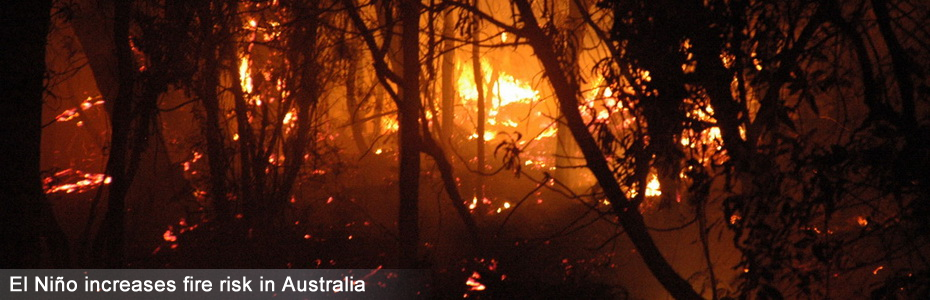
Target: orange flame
{"points": [[473, 283], [75, 181], [169, 236]]}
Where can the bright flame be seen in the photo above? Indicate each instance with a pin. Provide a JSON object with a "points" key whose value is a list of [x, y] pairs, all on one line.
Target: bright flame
{"points": [[289, 117], [169, 236], [244, 75], [67, 115], [389, 124], [506, 90], [473, 283], [488, 135], [74, 181], [734, 219], [710, 137], [549, 132], [652, 188], [862, 221], [510, 90]]}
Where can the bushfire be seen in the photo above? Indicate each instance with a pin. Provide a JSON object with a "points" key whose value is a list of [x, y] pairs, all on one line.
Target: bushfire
{"points": [[511, 148]]}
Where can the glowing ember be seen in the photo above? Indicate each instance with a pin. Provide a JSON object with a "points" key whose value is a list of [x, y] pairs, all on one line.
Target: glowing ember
{"points": [[73, 181], [734, 219], [169, 236], [862, 221], [289, 117], [473, 284], [67, 115], [75, 112], [488, 135]]}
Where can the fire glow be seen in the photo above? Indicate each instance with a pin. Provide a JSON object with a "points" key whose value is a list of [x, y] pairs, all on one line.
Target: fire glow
{"points": [[69, 181], [473, 283]]}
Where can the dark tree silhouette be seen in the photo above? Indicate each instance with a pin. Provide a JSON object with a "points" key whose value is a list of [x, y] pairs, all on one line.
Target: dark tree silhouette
{"points": [[27, 216]]}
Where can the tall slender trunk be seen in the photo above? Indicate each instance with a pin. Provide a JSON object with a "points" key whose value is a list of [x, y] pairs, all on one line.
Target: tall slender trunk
{"points": [[479, 86], [303, 57], [407, 74], [408, 120], [900, 63], [566, 147], [246, 143], [448, 82], [216, 149], [352, 105], [27, 216], [93, 25], [108, 244]]}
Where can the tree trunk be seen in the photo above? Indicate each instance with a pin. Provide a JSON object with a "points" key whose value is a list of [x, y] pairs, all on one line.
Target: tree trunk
{"points": [[108, 244], [352, 105], [93, 25], [448, 77], [207, 92], [408, 120], [93, 22], [566, 147], [901, 64], [304, 57], [28, 216], [567, 91], [431, 148], [246, 143], [482, 118]]}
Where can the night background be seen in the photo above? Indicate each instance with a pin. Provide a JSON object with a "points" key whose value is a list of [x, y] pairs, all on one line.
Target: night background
{"points": [[627, 149]]}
